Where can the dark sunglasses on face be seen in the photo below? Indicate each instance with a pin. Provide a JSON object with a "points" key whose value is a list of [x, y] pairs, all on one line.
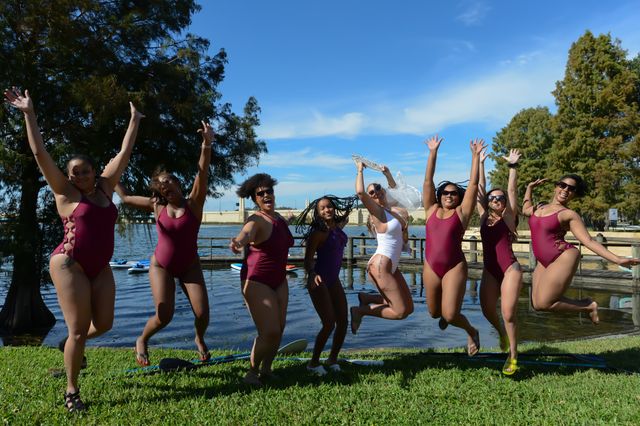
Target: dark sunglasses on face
{"points": [[376, 187], [264, 191], [497, 198], [564, 185], [452, 193]]}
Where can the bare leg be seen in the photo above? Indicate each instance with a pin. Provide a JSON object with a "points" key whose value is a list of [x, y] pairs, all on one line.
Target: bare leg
{"points": [[510, 291], [267, 308], [322, 303], [550, 284], [74, 296], [339, 300], [103, 298], [433, 291], [194, 287], [454, 284], [163, 289], [393, 288], [489, 293]]}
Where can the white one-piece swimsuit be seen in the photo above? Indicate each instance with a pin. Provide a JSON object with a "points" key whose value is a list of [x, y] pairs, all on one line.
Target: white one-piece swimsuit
{"points": [[390, 243]]}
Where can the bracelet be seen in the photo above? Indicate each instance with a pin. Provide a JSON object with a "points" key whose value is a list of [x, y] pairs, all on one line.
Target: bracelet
{"points": [[512, 165], [526, 201], [206, 146]]}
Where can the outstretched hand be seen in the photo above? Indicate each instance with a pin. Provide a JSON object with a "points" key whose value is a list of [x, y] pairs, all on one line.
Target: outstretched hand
{"points": [[17, 100], [483, 155], [537, 182], [135, 114], [433, 143], [360, 166], [628, 262], [235, 246], [513, 157], [477, 146], [208, 135]]}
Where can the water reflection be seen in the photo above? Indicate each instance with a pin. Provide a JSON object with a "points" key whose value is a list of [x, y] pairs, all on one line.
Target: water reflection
{"points": [[232, 328]]}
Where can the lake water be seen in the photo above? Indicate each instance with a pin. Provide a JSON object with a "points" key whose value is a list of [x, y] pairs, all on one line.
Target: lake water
{"points": [[231, 326]]}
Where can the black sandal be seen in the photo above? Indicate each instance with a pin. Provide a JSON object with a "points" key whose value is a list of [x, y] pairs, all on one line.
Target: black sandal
{"points": [[72, 402]]}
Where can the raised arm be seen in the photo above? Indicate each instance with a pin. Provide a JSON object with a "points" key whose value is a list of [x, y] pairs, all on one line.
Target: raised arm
{"points": [[58, 182], [469, 201], [137, 201], [527, 203], [391, 182], [580, 232], [369, 204], [113, 171], [200, 185], [428, 187], [512, 186], [481, 205]]}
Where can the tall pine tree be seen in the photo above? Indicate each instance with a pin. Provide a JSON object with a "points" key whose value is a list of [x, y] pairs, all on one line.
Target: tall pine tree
{"points": [[598, 124]]}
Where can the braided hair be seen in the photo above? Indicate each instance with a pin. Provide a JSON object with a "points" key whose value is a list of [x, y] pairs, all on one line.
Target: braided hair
{"points": [[309, 220]]}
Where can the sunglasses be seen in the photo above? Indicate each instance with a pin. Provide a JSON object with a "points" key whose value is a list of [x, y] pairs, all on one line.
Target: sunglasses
{"points": [[564, 185], [376, 187], [264, 191], [452, 193], [497, 198]]}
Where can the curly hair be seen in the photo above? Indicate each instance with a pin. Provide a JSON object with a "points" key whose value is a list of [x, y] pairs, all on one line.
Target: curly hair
{"points": [[154, 186], [248, 187], [581, 186], [309, 220], [442, 185]]}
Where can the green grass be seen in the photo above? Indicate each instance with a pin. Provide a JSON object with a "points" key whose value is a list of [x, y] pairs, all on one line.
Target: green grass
{"points": [[410, 388]]}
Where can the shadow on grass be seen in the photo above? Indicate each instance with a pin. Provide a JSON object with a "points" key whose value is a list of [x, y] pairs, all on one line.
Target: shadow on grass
{"points": [[212, 381]]}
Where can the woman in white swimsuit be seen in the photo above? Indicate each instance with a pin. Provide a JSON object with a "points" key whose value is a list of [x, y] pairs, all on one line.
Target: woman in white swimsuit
{"points": [[390, 224]]}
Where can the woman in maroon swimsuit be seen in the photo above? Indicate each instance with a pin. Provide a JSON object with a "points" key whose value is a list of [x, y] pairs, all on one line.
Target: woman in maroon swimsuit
{"points": [[557, 259], [448, 211], [79, 267], [267, 239], [176, 256], [502, 276]]}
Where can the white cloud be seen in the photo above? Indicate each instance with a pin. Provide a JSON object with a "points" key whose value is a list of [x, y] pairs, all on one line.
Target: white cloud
{"points": [[306, 157], [474, 13], [521, 82], [346, 125]]}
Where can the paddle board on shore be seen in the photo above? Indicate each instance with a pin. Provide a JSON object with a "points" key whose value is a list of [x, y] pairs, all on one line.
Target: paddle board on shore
{"points": [[238, 266]]}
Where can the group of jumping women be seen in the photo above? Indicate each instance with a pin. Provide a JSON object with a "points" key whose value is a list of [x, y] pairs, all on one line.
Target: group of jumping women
{"points": [[85, 286]]}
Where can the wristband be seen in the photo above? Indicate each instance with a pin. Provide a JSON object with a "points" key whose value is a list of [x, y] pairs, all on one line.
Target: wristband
{"points": [[526, 201], [512, 165], [206, 146]]}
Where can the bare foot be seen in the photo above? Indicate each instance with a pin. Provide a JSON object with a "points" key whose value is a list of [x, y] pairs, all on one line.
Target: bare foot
{"points": [[356, 319], [473, 343], [593, 307], [203, 351], [142, 353]]}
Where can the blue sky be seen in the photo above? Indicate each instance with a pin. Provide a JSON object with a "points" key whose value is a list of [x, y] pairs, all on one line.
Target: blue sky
{"points": [[377, 78]]}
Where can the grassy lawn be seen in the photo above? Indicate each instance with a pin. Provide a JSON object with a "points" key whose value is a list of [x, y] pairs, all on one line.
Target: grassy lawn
{"points": [[411, 388]]}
